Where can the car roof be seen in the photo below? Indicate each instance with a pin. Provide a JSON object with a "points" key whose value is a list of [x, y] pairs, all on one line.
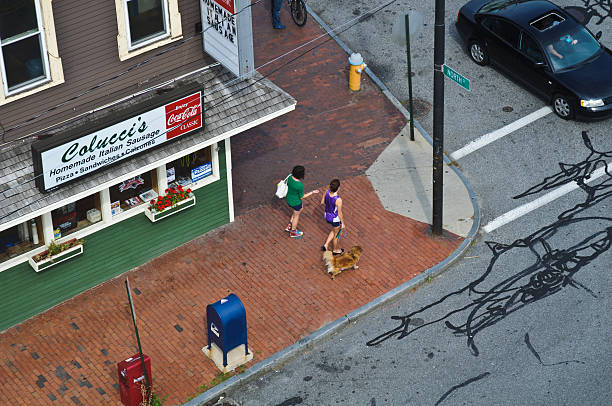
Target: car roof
{"points": [[525, 12]]}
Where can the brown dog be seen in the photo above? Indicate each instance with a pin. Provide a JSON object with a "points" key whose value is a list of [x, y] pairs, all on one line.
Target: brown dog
{"points": [[338, 263]]}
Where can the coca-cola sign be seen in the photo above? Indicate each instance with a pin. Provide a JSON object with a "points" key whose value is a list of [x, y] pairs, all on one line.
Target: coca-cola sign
{"points": [[183, 116], [81, 156]]}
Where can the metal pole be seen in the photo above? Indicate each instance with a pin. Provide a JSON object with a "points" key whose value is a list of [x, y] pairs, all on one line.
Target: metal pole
{"points": [[438, 118], [142, 363], [409, 76]]}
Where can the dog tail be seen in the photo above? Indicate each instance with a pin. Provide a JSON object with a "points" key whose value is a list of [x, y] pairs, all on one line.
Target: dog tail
{"points": [[328, 256]]}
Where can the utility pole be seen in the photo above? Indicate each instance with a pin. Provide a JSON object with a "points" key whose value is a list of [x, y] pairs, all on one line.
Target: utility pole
{"points": [[438, 118]]}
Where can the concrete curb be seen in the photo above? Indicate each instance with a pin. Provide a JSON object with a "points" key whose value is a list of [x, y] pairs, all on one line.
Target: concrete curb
{"points": [[265, 366]]}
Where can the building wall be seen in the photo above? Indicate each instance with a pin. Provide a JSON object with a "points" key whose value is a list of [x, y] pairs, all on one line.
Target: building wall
{"points": [[86, 34], [111, 252]]}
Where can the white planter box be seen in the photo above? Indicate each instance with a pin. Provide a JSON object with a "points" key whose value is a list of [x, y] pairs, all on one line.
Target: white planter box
{"points": [[56, 259], [159, 215]]}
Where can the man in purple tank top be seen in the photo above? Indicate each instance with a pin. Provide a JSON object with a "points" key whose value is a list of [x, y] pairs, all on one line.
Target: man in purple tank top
{"points": [[333, 215]]}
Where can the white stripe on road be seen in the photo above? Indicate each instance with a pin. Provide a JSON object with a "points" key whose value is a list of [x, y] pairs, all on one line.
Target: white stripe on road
{"points": [[502, 132], [541, 201]]}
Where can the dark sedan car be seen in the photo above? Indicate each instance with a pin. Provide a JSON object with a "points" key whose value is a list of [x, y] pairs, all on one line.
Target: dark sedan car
{"points": [[546, 49]]}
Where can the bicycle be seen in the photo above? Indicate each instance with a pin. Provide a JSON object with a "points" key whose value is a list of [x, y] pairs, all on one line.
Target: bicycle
{"points": [[298, 12]]}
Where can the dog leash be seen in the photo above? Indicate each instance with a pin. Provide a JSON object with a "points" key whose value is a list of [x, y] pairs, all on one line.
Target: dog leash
{"points": [[339, 233]]}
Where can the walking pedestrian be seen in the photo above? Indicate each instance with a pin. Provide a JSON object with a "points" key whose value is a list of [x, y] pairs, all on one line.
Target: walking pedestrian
{"points": [[333, 216], [295, 194], [276, 8]]}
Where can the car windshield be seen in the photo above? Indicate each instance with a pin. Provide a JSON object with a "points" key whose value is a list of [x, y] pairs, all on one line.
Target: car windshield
{"points": [[571, 48]]}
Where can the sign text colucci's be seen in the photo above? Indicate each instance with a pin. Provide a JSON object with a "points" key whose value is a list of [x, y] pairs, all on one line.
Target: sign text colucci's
{"points": [[86, 154]]}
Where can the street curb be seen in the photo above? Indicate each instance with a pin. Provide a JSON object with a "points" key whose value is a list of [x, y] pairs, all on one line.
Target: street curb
{"points": [[265, 366]]}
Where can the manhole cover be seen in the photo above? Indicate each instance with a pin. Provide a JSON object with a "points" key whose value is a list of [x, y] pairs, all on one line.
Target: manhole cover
{"points": [[507, 109], [420, 107]]}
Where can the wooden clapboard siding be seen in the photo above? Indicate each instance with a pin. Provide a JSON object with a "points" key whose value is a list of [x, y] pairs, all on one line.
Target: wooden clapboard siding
{"points": [[86, 33], [110, 252]]}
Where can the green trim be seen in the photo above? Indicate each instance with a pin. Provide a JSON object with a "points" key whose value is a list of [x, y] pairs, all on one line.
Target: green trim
{"points": [[109, 253]]}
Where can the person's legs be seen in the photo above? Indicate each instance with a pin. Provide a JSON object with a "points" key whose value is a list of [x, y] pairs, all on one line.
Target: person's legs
{"points": [[295, 219], [276, 8], [334, 240], [329, 239]]}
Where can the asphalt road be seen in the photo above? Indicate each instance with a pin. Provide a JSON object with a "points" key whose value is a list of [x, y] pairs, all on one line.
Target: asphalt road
{"points": [[523, 317]]}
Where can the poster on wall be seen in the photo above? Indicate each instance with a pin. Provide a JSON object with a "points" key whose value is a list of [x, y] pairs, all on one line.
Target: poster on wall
{"points": [[116, 208], [59, 164], [170, 174], [201, 171], [227, 34]]}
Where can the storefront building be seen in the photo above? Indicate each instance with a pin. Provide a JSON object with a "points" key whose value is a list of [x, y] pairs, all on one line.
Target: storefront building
{"points": [[94, 135]]}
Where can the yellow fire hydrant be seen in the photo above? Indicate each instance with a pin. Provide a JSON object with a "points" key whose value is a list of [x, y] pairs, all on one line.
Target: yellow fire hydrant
{"points": [[357, 66]]}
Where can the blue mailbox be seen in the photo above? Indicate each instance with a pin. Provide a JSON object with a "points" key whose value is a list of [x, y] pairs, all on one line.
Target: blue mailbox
{"points": [[226, 325]]}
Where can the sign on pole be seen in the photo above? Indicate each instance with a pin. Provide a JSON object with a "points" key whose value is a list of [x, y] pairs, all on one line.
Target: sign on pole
{"points": [[456, 77]]}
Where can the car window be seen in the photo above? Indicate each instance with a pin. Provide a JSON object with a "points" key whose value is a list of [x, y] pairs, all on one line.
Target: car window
{"points": [[531, 49], [502, 29], [571, 48]]}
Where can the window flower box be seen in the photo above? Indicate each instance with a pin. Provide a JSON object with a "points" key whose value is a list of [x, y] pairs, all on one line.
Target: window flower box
{"points": [[55, 254], [174, 201]]}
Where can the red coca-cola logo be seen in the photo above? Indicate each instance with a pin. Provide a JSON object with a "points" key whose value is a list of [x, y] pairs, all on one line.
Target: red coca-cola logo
{"points": [[174, 119], [184, 115]]}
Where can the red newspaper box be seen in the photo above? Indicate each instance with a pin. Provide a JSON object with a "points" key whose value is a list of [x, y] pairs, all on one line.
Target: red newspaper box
{"points": [[131, 379]]}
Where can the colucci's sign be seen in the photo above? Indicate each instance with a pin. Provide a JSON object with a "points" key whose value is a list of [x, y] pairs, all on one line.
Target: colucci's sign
{"points": [[127, 138]]}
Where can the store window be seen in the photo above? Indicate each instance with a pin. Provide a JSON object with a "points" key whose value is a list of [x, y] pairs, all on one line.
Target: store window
{"points": [[190, 168], [28, 50], [20, 239], [76, 216], [133, 192], [146, 24]]}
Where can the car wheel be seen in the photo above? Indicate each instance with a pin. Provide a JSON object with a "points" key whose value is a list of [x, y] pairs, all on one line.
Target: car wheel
{"points": [[478, 53], [562, 107]]}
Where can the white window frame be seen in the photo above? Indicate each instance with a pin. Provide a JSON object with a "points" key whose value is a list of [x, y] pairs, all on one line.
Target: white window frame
{"points": [[165, 34], [52, 62], [172, 23]]}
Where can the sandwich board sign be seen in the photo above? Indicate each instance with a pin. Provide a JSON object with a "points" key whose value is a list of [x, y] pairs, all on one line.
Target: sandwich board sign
{"points": [[227, 34]]}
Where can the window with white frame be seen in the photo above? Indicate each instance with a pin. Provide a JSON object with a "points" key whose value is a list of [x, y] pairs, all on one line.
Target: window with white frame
{"points": [[22, 41], [144, 25], [147, 21]]}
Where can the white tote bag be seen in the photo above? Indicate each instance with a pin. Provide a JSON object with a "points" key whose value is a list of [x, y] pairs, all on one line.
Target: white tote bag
{"points": [[281, 188]]}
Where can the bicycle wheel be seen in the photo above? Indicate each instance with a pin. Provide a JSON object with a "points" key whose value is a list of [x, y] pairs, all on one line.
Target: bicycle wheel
{"points": [[298, 12]]}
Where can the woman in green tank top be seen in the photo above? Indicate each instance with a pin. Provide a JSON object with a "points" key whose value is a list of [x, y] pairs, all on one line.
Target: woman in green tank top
{"points": [[295, 194]]}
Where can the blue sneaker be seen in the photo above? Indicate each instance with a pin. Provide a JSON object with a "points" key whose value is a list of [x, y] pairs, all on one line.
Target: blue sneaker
{"points": [[279, 27]]}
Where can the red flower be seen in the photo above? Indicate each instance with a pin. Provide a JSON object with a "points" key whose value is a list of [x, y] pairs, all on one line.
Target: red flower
{"points": [[188, 190], [152, 201]]}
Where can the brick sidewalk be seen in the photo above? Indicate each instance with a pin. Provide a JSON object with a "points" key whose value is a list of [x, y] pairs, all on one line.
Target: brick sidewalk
{"points": [[68, 354]]}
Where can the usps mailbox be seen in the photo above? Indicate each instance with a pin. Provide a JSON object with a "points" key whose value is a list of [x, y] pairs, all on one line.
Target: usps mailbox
{"points": [[227, 333]]}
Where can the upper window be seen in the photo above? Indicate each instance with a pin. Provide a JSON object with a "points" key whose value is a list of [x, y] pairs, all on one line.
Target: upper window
{"points": [[28, 49], [24, 62], [146, 24], [147, 21]]}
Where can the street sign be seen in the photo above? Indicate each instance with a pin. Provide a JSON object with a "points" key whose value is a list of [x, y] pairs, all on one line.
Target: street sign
{"points": [[456, 77]]}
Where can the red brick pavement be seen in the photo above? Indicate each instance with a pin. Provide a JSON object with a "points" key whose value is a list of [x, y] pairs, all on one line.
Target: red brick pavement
{"points": [[332, 132], [281, 281], [68, 354]]}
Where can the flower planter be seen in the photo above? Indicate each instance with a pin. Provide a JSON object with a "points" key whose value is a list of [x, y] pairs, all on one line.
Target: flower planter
{"points": [[155, 215], [56, 259]]}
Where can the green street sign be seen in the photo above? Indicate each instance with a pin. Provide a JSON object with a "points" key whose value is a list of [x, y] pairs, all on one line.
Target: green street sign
{"points": [[456, 77]]}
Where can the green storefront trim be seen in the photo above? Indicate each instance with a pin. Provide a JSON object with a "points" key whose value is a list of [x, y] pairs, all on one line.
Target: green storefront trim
{"points": [[110, 252]]}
